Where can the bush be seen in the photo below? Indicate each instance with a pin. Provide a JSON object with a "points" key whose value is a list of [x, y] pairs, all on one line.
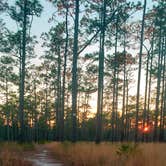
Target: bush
{"points": [[127, 150]]}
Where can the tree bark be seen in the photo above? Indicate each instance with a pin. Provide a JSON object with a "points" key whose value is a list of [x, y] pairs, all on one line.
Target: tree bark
{"points": [[64, 73], [149, 86], [101, 76], [74, 73], [124, 90], [139, 74], [146, 92], [22, 85], [155, 136], [161, 129], [58, 104], [115, 88]]}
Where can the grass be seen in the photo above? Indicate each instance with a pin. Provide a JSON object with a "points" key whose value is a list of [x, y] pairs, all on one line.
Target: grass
{"points": [[89, 154], [108, 154], [11, 154]]}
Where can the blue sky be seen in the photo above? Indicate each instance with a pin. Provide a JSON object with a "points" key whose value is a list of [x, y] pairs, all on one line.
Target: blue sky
{"points": [[41, 24]]}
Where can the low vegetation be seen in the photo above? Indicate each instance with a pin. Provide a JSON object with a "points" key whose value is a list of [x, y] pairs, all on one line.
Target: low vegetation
{"points": [[108, 154], [11, 154]]}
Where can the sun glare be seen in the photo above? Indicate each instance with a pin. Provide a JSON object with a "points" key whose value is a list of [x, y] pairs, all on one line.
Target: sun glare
{"points": [[146, 129]]}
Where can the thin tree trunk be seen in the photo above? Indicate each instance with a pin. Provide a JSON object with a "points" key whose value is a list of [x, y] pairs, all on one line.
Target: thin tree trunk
{"points": [[7, 108], [114, 110], [146, 91], [101, 76], [164, 104], [58, 104], [139, 74], [20, 78], [127, 101], [149, 86], [35, 109], [161, 131], [74, 73], [46, 108], [155, 136], [21, 104], [124, 90], [64, 72]]}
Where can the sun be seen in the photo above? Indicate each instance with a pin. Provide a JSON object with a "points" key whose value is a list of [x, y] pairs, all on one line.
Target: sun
{"points": [[145, 129]]}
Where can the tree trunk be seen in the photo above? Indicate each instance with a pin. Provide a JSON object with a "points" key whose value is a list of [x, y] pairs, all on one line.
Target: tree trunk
{"points": [[101, 76], [46, 107], [7, 107], [139, 74], [161, 131], [35, 109], [149, 86], [114, 105], [127, 101], [64, 73], [74, 73], [58, 104], [22, 86], [146, 91], [155, 136], [124, 91], [164, 105]]}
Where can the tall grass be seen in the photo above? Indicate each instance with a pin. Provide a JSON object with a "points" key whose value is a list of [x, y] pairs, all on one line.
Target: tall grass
{"points": [[85, 154], [108, 154], [11, 154]]}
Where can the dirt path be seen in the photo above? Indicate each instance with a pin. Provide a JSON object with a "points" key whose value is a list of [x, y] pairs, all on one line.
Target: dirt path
{"points": [[42, 157]]}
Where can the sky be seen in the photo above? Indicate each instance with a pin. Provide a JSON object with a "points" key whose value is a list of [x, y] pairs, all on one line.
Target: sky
{"points": [[42, 25]]}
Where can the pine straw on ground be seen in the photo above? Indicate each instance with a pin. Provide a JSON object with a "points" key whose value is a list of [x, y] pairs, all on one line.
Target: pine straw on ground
{"points": [[108, 154]]}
